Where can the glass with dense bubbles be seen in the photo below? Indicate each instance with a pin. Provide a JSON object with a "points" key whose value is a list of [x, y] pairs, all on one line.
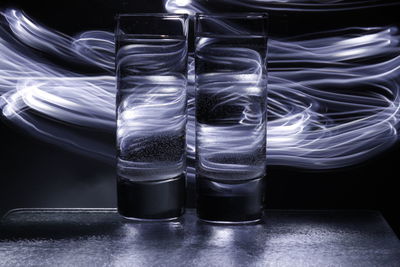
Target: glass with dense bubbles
{"points": [[151, 69], [231, 93]]}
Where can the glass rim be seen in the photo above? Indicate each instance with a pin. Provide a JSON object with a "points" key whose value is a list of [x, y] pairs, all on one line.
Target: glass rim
{"points": [[148, 15], [233, 15]]}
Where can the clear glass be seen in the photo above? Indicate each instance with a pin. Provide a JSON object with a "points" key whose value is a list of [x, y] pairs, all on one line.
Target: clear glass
{"points": [[151, 70], [231, 93]]}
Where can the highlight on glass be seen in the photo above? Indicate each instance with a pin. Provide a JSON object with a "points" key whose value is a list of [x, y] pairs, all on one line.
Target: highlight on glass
{"points": [[151, 70], [231, 93]]}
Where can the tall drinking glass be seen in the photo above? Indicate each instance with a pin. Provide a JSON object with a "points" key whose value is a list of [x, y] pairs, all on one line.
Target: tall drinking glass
{"points": [[151, 69], [231, 93]]}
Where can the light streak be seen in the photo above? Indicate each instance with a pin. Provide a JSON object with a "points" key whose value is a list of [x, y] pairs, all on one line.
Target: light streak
{"points": [[333, 97]]}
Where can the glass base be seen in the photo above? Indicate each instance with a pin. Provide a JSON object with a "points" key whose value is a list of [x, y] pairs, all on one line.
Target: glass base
{"points": [[153, 200], [230, 202], [231, 222], [150, 220]]}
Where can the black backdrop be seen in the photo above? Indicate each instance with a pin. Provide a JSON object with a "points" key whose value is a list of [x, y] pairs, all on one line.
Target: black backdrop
{"points": [[37, 174]]}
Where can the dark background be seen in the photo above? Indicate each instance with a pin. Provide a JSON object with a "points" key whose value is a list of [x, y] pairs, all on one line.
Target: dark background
{"points": [[37, 174]]}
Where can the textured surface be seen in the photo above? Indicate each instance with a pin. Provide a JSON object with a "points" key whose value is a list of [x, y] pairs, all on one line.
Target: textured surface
{"points": [[284, 238]]}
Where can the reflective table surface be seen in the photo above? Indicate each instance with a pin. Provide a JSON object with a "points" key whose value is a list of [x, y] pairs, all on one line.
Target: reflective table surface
{"points": [[99, 237]]}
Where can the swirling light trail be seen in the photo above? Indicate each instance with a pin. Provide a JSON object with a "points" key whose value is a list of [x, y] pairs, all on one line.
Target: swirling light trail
{"points": [[196, 6], [151, 107], [334, 97]]}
